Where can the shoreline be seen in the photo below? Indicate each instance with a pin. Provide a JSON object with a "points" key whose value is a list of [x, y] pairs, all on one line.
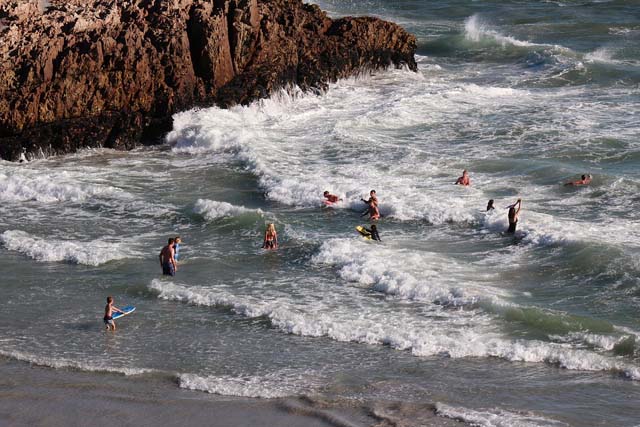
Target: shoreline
{"points": [[35, 395]]}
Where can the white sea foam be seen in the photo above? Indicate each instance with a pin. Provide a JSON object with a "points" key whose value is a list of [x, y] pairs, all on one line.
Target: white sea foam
{"points": [[63, 363], [47, 188], [600, 55], [475, 30], [406, 274], [96, 252], [495, 417], [268, 386], [212, 210]]}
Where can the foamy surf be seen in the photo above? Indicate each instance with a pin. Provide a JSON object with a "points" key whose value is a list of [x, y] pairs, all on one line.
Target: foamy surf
{"points": [[495, 417], [95, 253], [283, 383], [421, 337], [16, 186], [212, 210], [64, 363]]}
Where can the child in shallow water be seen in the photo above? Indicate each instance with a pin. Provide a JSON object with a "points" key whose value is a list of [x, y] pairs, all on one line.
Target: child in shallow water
{"points": [[108, 314]]}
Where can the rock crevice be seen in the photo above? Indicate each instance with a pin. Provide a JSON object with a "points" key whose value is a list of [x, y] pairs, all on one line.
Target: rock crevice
{"points": [[110, 73]]}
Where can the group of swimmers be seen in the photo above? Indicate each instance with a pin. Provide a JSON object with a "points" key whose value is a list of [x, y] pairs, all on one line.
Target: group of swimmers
{"points": [[514, 209], [170, 253]]}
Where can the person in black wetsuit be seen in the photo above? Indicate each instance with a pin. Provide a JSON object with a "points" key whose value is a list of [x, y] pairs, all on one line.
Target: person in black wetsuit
{"points": [[513, 216], [490, 206], [373, 232]]}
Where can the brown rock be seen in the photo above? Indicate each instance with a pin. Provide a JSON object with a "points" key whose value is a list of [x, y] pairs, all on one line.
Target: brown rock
{"points": [[110, 73]]}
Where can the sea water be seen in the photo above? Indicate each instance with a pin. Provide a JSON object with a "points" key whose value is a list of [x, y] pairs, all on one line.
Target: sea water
{"points": [[536, 328]]}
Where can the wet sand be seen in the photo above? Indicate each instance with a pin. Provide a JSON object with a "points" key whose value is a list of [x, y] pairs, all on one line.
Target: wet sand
{"points": [[38, 396]]}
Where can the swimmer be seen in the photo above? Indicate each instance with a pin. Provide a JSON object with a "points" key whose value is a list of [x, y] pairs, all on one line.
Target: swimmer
{"points": [[490, 206], [373, 232], [331, 198], [585, 180], [513, 216], [464, 179], [270, 238], [108, 314], [167, 260]]}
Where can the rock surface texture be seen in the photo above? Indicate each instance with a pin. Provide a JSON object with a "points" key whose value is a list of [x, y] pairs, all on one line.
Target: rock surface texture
{"points": [[110, 73]]}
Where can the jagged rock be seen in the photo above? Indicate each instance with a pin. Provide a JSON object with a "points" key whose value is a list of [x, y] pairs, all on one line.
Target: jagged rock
{"points": [[110, 73]]}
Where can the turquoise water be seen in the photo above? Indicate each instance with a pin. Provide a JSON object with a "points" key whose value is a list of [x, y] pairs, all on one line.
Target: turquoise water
{"points": [[539, 328]]}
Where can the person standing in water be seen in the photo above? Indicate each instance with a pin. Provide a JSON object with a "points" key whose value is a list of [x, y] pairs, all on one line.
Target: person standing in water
{"points": [[490, 206], [585, 180], [513, 216], [372, 208], [372, 198], [464, 180], [108, 314], [176, 247], [167, 260], [270, 237]]}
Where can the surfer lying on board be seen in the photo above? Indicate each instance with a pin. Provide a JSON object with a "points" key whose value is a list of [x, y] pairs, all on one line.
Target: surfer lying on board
{"points": [[167, 260], [464, 179], [513, 215], [331, 198], [373, 232], [108, 314], [270, 238], [585, 180]]}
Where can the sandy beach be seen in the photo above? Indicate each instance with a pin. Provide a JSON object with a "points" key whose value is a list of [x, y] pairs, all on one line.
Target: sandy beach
{"points": [[37, 396]]}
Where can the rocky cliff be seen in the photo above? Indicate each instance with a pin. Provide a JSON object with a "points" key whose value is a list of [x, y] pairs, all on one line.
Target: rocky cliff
{"points": [[110, 73]]}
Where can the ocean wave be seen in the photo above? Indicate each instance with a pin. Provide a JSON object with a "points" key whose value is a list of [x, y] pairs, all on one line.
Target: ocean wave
{"points": [[92, 253], [408, 275], [471, 344], [475, 30], [48, 188], [248, 134], [495, 417], [63, 363], [422, 339], [212, 210], [283, 383]]}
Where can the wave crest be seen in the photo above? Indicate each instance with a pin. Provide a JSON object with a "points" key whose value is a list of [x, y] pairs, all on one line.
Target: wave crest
{"points": [[92, 253]]}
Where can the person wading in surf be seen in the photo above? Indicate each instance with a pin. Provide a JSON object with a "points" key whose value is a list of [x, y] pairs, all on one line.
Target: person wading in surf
{"points": [[513, 216], [270, 238], [372, 209], [167, 260], [464, 179], [176, 248], [108, 314]]}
